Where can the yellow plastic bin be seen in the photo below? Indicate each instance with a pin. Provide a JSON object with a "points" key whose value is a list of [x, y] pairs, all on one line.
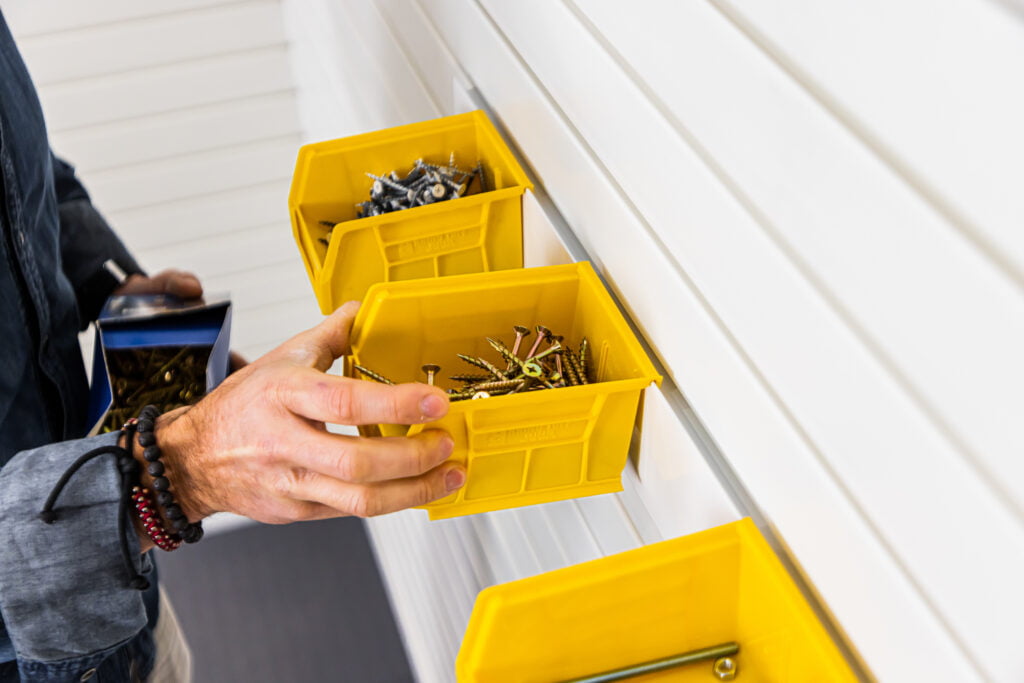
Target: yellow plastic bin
{"points": [[723, 584], [524, 448], [475, 233]]}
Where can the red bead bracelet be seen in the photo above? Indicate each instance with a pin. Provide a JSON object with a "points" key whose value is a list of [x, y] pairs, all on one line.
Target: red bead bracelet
{"points": [[152, 522]]}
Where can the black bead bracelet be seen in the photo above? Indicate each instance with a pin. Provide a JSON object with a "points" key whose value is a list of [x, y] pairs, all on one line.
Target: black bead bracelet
{"points": [[190, 532]]}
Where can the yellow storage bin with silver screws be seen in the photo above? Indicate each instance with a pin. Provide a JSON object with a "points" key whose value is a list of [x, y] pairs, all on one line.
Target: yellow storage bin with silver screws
{"points": [[429, 199], [536, 416]]}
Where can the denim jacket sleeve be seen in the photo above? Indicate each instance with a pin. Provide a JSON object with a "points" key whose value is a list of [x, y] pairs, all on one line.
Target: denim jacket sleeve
{"points": [[64, 591], [86, 242]]}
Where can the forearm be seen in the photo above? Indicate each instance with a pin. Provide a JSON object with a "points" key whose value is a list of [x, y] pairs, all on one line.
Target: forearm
{"points": [[174, 463]]}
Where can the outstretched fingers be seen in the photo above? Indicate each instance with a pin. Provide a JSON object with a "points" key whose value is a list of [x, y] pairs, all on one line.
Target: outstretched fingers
{"points": [[342, 400], [363, 460], [370, 500]]}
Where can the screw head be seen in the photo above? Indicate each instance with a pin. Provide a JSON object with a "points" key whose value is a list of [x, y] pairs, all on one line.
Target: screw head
{"points": [[533, 370], [431, 370], [520, 329], [481, 394], [725, 668]]}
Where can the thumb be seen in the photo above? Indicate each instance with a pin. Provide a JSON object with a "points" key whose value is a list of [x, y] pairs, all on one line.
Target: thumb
{"points": [[320, 346], [180, 284]]}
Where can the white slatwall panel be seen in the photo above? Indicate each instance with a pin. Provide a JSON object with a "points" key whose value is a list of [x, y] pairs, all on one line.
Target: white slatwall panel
{"points": [[931, 86], [182, 120], [828, 199]]}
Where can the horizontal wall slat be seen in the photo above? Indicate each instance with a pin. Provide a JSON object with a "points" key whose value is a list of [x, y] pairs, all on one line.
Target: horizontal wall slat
{"points": [[817, 367], [270, 284], [166, 88], [750, 425], [196, 174], [160, 41], [271, 324], [181, 132], [34, 17], [928, 303], [931, 85], [191, 218], [227, 254], [672, 477]]}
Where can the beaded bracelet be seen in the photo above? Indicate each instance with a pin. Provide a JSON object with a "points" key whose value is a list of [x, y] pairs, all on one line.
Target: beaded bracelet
{"points": [[151, 521], [189, 532]]}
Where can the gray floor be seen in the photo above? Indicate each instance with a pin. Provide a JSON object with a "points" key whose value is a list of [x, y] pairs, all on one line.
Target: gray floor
{"points": [[293, 604]]}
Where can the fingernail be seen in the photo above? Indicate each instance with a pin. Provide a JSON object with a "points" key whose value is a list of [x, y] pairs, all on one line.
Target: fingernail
{"points": [[432, 406], [446, 446], [455, 478]]}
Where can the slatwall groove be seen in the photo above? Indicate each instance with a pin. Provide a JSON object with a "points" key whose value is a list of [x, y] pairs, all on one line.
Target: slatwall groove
{"points": [[393, 76], [87, 54], [542, 539], [229, 253], [427, 50], [467, 44], [1012, 498], [274, 323], [194, 176], [269, 285], [987, 214], [173, 222], [162, 137], [323, 77], [201, 156], [955, 497], [425, 650], [41, 17], [412, 62], [166, 89]]}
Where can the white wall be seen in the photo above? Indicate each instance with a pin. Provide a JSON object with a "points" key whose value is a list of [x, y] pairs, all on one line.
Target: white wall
{"points": [[181, 118], [813, 216]]}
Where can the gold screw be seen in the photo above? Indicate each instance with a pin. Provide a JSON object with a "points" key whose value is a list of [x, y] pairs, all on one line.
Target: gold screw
{"points": [[431, 370], [373, 375]]}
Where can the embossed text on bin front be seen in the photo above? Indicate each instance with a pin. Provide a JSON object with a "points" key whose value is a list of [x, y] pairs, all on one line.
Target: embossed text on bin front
{"points": [[438, 244]]}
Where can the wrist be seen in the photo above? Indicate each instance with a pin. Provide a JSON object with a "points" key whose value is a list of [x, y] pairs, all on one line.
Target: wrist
{"points": [[174, 438]]}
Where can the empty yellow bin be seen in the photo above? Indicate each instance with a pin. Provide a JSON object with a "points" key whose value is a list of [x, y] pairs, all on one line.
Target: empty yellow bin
{"points": [[475, 233], [519, 449], [723, 584]]}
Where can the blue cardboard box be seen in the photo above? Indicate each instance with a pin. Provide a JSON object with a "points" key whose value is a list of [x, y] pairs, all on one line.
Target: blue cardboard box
{"points": [[157, 321]]}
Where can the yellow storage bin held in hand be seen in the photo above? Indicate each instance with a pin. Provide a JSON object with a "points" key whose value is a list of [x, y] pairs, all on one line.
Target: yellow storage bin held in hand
{"points": [[478, 232], [716, 586], [524, 448]]}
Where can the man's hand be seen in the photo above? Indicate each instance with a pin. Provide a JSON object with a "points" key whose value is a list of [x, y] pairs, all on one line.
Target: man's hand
{"points": [[177, 282], [257, 445]]}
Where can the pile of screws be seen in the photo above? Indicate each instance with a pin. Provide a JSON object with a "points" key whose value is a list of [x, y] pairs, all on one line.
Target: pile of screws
{"points": [[165, 376], [424, 184], [557, 365]]}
